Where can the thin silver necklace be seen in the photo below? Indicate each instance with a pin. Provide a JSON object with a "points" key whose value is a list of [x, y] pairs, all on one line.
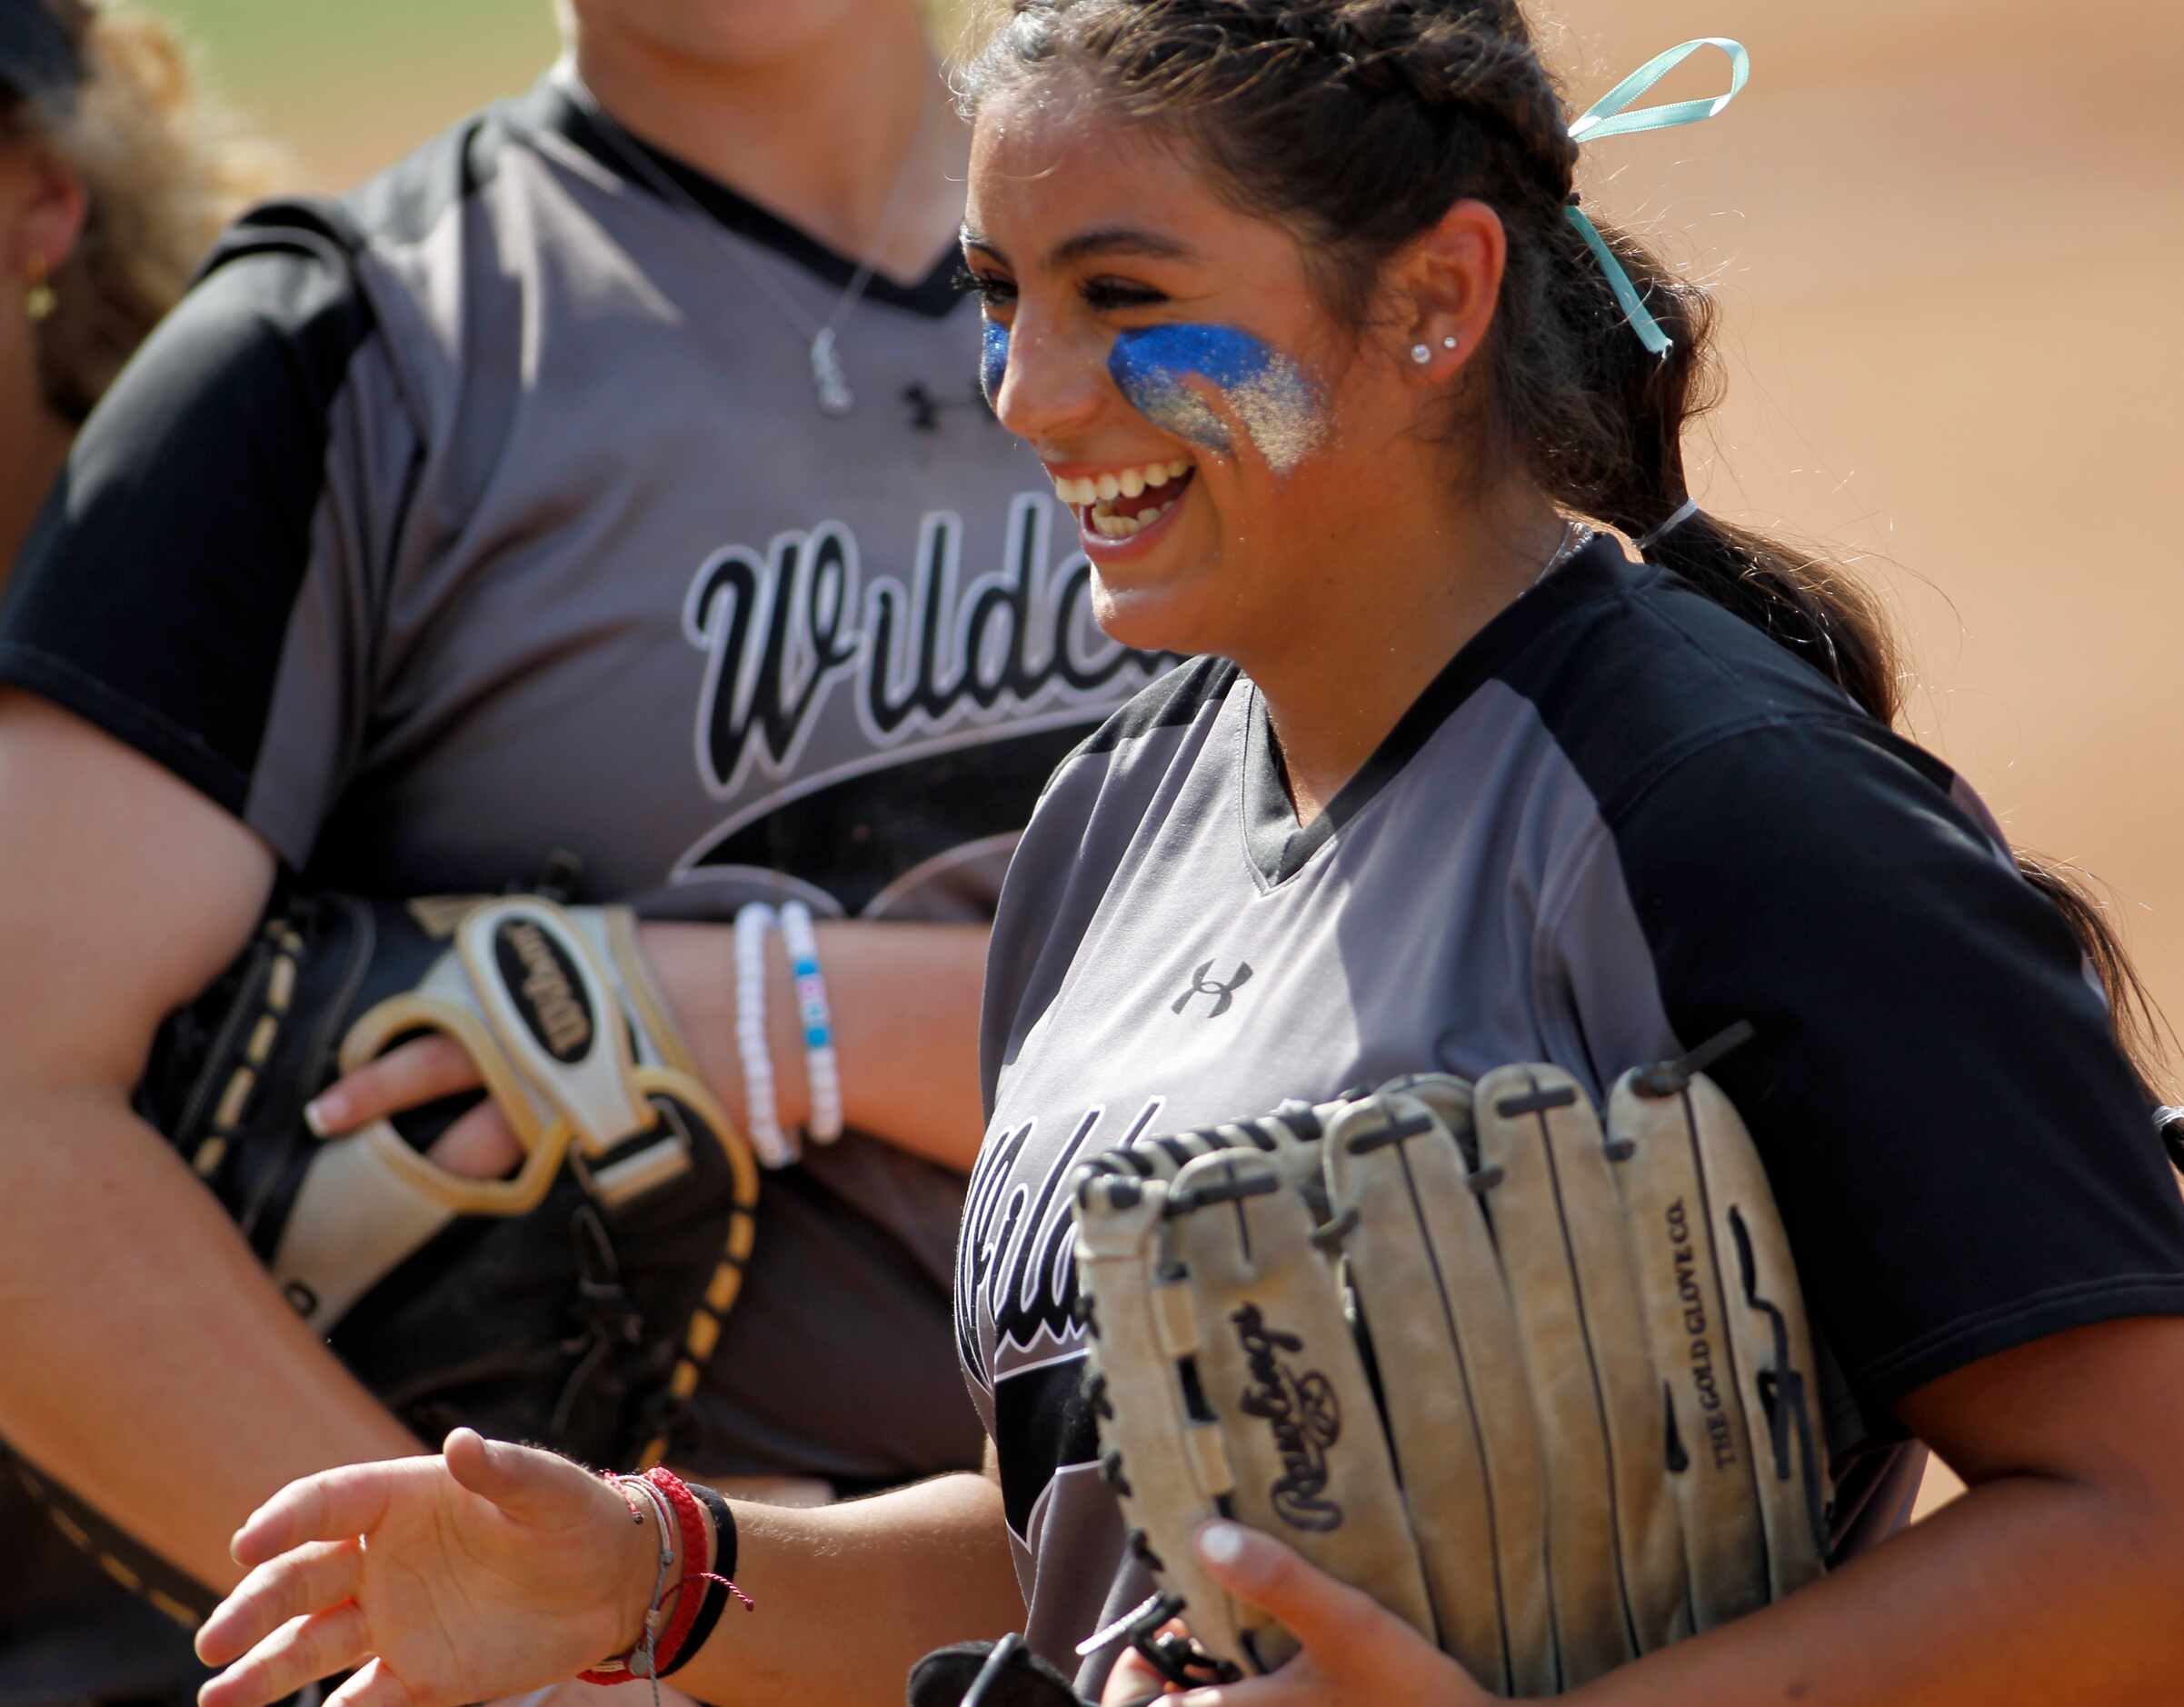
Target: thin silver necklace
{"points": [[830, 385]]}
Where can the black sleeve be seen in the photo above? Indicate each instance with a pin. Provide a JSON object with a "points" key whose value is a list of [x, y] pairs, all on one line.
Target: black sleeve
{"points": [[155, 594], [1964, 1159]]}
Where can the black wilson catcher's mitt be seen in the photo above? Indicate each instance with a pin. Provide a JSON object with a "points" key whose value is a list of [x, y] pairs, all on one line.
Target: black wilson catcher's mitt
{"points": [[1546, 1390], [574, 1302]]}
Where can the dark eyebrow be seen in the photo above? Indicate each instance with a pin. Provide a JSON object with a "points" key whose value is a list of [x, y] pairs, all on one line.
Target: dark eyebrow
{"points": [[1118, 240], [1111, 240]]}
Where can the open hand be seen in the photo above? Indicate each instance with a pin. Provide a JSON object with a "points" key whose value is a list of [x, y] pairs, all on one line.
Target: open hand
{"points": [[1356, 1654], [484, 1570]]}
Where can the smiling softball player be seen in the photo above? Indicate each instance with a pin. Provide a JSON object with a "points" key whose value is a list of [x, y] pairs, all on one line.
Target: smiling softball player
{"points": [[1462, 801]]}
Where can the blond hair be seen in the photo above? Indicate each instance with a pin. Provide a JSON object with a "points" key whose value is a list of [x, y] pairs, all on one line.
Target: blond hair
{"points": [[164, 171]]}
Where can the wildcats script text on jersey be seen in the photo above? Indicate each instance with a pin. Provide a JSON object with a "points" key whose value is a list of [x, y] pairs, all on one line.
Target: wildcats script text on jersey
{"points": [[1017, 1257], [785, 630]]}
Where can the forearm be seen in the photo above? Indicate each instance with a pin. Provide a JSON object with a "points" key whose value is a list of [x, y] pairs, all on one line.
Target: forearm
{"points": [[850, 1596], [2028, 1590], [906, 1009], [151, 1366]]}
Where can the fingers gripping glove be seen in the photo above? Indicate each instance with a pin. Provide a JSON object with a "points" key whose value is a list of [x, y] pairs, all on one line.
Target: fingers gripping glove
{"points": [[576, 1302], [1545, 1392]]}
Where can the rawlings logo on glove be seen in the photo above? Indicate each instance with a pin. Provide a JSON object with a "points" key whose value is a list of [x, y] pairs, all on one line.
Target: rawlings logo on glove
{"points": [[1305, 1416]]}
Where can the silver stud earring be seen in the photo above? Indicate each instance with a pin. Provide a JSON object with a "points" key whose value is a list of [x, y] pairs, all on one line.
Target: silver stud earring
{"points": [[1449, 343], [1421, 354]]}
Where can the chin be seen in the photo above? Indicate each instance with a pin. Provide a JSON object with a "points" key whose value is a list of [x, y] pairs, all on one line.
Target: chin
{"points": [[1158, 618]]}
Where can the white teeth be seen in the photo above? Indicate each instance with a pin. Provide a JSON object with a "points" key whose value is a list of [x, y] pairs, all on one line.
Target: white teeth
{"points": [[1122, 482], [1125, 527]]}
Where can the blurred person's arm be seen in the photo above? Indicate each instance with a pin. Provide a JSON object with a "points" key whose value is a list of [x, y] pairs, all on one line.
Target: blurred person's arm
{"points": [[499, 1568], [904, 1006], [152, 1366], [905, 1002]]}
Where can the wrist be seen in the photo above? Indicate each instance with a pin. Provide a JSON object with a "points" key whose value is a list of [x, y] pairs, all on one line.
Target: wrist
{"points": [[637, 1577], [686, 960]]}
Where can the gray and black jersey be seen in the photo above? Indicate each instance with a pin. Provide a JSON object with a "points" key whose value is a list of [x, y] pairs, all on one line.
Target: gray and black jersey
{"points": [[1619, 821], [489, 514]]}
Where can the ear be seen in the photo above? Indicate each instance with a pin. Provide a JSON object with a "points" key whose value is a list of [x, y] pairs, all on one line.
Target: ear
{"points": [[1444, 284], [43, 207]]}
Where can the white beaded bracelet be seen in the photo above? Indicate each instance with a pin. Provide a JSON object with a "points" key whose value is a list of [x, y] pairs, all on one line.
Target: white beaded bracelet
{"points": [[762, 1107], [823, 1069]]}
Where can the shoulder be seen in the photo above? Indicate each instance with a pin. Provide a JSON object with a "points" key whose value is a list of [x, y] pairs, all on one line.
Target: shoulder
{"points": [[1729, 776], [327, 272], [1634, 674], [298, 291], [289, 294], [405, 204], [401, 207]]}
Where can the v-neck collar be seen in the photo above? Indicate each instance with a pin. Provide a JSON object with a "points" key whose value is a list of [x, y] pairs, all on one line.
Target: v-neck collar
{"points": [[552, 108], [1277, 845]]}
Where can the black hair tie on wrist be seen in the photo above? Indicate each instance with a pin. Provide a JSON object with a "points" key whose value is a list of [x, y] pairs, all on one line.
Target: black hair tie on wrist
{"points": [[723, 1566]]}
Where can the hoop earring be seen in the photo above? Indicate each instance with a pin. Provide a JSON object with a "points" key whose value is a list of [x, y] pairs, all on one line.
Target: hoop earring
{"points": [[38, 301], [1421, 354]]}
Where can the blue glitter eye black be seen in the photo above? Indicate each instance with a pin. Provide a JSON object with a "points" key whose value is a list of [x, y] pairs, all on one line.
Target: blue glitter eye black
{"points": [[1280, 408], [994, 359]]}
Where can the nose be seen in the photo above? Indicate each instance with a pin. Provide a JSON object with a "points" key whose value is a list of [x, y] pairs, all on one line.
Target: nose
{"points": [[1044, 384]]}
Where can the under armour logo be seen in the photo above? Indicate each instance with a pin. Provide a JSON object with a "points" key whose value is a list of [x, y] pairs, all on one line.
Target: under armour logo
{"points": [[1223, 993]]}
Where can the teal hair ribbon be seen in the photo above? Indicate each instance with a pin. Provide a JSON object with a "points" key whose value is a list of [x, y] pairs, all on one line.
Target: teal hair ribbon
{"points": [[1610, 117]]}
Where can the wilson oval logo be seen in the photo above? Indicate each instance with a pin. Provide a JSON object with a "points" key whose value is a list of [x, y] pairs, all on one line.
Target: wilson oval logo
{"points": [[547, 987]]}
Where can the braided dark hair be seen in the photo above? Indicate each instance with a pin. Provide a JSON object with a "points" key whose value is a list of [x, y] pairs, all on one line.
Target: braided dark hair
{"points": [[1356, 123]]}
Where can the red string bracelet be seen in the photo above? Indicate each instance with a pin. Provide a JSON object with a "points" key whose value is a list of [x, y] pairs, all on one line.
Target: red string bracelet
{"points": [[664, 1652], [690, 1518]]}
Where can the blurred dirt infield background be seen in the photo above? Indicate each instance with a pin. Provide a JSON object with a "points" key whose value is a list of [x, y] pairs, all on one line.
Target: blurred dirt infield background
{"points": [[1947, 234]]}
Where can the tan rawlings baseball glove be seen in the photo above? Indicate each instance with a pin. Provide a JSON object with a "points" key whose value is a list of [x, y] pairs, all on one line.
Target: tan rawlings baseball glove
{"points": [[1543, 1387]]}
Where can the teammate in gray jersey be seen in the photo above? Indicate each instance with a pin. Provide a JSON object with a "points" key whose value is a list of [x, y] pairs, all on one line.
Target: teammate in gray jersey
{"points": [[1291, 300], [610, 476]]}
